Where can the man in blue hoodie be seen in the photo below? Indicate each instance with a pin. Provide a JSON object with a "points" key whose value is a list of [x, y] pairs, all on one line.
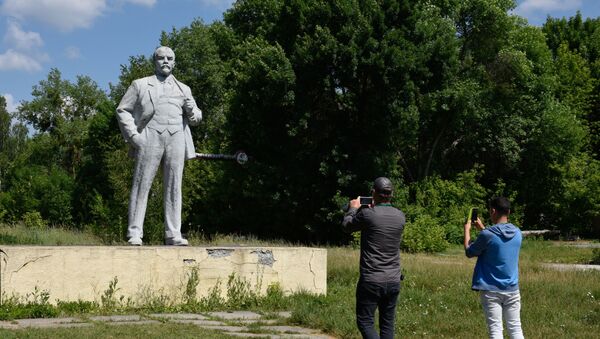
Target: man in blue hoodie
{"points": [[496, 274]]}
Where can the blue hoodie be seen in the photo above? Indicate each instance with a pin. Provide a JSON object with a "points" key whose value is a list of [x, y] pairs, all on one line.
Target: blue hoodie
{"points": [[497, 251]]}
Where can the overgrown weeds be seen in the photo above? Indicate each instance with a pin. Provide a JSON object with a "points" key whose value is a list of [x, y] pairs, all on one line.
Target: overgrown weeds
{"points": [[32, 305], [595, 256], [21, 234]]}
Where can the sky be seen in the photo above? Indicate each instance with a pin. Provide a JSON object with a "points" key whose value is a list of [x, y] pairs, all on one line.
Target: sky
{"points": [[96, 37]]}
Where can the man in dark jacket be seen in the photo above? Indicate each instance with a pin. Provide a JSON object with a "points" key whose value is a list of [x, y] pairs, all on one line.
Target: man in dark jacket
{"points": [[381, 227]]}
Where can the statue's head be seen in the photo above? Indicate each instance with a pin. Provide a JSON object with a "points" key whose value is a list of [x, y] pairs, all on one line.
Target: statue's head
{"points": [[164, 61]]}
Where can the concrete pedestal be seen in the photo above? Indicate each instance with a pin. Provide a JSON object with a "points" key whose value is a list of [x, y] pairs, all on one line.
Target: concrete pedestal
{"points": [[71, 273]]}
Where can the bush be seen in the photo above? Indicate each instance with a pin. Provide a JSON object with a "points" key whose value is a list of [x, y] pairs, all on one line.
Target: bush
{"points": [[45, 190], [447, 202], [355, 242], [108, 224], [34, 221], [577, 200], [3, 202], [275, 297], [32, 305], [595, 257], [76, 307], [424, 235], [240, 293]]}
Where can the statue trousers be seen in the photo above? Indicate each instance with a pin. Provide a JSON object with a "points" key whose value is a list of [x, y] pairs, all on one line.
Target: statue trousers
{"points": [[157, 146]]}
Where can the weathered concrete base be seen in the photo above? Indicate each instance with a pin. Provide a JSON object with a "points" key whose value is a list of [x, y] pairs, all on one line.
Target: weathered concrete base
{"points": [[71, 273]]}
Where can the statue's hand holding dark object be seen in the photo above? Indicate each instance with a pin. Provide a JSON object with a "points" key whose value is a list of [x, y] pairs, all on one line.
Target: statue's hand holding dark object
{"points": [[240, 157]]}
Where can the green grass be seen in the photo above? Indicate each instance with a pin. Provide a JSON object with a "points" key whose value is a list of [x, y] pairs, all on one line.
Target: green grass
{"points": [[235, 240], [18, 234], [435, 300], [556, 252]]}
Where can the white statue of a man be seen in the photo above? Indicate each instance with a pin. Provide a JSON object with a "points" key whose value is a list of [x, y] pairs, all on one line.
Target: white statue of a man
{"points": [[154, 116]]}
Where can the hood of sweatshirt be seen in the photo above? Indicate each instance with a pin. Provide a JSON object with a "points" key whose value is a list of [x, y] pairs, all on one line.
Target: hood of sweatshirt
{"points": [[506, 231]]}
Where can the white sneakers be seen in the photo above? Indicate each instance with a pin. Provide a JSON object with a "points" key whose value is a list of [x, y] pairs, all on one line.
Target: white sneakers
{"points": [[135, 241]]}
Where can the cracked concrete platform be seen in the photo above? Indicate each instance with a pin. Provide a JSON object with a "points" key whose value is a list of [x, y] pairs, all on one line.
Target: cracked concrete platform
{"points": [[83, 273]]}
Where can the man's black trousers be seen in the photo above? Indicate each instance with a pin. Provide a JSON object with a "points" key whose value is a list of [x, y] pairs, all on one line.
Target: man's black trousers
{"points": [[370, 296]]}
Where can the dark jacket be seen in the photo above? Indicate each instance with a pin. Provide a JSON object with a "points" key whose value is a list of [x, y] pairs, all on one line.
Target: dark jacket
{"points": [[381, 229]]}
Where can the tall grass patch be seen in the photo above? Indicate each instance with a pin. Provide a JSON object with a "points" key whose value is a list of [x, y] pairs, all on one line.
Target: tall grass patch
{"points": [[534, 250], [21, 234]]}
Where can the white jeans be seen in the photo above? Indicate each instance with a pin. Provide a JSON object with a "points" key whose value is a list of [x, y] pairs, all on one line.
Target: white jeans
{"points": [[498, 304]]}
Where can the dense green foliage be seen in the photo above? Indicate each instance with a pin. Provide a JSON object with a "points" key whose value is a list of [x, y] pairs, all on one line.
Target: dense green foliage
{"points": [[453, 100]]}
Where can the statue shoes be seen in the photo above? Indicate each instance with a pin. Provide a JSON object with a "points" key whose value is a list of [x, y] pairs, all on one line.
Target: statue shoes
{"points": [[176, 242], [135, 241]]}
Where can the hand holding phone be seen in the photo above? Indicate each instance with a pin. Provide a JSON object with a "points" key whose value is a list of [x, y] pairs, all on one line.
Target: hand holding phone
{"points": [[365, 201], [474, 220], [474, 214]]}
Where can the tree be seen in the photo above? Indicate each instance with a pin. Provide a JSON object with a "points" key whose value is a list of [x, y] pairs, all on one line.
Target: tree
{"points": [[577, 197], [62, 109], [554, 140], [576, 84], [39, 173], [104, 179], [47, 190], [576, 46], [12, 141], [57, 100], [139, 67], [334, 94], [5, 121], [452, 99]]}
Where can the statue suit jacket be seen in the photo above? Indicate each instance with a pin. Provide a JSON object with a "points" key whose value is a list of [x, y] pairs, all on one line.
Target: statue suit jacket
{"points": [[136, 109]]}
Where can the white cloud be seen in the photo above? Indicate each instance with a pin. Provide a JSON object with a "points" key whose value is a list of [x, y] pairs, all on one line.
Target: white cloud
{"points": [[20, 39], [11, 105], [72, 53], [24, 48], [529, 6], [66, 15], [13, 60], [24, 53]]}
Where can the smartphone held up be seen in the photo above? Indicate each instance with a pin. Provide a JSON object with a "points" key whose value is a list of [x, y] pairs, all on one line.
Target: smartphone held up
{"points": [[365, 201], [473, 214]]}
